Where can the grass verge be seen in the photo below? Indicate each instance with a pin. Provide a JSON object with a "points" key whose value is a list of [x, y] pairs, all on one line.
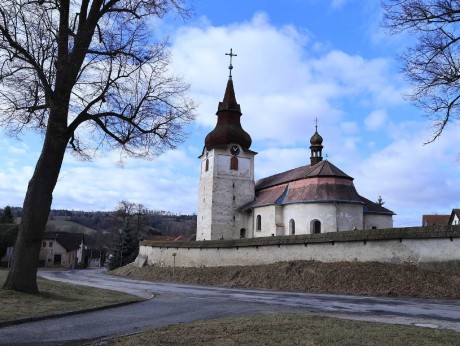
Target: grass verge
{"points": [[55, 298], [288, 329]]}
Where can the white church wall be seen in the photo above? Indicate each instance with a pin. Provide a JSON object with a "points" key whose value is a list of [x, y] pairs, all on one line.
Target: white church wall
{"points": [[267, 221], [349, 216], [303, 215], [414, 251], [377, 221]]}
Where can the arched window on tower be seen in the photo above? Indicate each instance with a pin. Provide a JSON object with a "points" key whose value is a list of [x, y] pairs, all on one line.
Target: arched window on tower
{"points": [[315, 226], [234, 163], [258, 223], [207, 165], [291, 226]]}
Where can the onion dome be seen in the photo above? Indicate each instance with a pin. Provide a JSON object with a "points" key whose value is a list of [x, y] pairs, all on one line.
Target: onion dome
{"points": [[316, 139], [228, 128], [316, 147]]}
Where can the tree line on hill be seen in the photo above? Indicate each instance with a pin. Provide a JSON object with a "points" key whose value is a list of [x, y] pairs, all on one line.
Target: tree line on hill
{"points": [[114, 234]]}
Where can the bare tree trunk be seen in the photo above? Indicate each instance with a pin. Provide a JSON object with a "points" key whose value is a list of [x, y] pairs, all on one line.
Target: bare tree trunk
{"points": [[37, 204]]}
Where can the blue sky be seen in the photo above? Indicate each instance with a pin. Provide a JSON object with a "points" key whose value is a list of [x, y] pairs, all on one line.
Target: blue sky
{"points": [[297, 60]]}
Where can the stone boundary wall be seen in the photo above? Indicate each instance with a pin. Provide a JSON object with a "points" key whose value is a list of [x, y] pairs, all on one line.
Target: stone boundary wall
{"points": [[414, 245]]}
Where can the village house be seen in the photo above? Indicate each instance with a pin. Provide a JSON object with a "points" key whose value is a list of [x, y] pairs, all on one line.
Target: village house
{"points": [[62, 250]]}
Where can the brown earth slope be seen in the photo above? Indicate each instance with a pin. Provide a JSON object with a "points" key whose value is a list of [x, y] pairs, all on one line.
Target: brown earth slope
{"points": [[373, 279]]}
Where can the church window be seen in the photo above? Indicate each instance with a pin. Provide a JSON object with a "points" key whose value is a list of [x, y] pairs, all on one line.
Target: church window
{"points": [[242, 233], [291, 226], [207, 165], [234, 163], [258, 223], [315, 226]]}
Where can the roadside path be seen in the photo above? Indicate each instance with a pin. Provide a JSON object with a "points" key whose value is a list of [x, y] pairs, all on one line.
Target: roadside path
{"points": [[174, 303]]}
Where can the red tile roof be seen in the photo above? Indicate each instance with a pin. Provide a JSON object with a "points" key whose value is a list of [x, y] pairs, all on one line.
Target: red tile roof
{"points": [[322, 182], [435, 220], [321, 169]]}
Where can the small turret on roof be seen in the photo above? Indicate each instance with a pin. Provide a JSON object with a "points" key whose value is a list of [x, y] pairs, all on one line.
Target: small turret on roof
{"points": [[316, 146]]}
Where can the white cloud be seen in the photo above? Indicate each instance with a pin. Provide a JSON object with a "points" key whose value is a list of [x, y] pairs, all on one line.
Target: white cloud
{"points": [[375, 120], [413, 179], [281, 82]]}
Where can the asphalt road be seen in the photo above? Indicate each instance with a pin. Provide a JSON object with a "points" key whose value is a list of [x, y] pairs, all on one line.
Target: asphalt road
{"points": [[174, 303]]}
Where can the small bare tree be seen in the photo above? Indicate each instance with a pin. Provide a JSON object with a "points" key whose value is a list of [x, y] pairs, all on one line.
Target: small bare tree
{"points": [[87, 74], [432, 64]]}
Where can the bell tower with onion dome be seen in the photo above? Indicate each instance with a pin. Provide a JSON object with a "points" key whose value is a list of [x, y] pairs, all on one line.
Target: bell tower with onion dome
{"points": [[226, 173], [316, 146]]}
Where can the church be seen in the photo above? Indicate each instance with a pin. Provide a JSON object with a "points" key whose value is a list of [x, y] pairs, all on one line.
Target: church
{"points": [[315, 198]]}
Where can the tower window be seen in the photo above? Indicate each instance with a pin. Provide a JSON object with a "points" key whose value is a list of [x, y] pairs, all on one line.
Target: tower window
{"points": [[234, 163], [207, 165], [258, 223]]}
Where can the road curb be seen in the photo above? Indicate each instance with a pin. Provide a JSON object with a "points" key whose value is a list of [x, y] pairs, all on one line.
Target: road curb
{"points": [[64, 314]]}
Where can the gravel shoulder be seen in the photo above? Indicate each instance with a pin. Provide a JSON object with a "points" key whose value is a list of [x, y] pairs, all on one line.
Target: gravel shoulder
{"points": [[353, 278]]}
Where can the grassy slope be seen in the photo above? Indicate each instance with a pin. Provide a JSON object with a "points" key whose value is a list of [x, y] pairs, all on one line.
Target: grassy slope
{"points": [[286, 329], [375, 279], [55, 298]]}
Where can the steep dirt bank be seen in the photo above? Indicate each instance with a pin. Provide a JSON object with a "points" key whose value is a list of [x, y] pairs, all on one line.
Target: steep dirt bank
{"points": [[375, 279]]}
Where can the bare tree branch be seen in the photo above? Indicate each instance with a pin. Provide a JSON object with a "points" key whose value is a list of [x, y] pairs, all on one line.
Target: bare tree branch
{"points": [[432, 64]]}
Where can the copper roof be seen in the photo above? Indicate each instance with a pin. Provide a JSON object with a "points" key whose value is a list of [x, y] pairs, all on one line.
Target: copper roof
{"points": [[321, 169], [374, 208], [228, 128], [322, 182]]}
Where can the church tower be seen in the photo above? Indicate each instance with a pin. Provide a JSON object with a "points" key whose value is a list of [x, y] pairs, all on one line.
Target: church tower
{"points": [[226, 173]]}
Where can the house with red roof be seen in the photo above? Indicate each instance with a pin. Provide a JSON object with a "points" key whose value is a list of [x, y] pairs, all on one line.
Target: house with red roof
{"points": [[314, 198], [435, 220]]}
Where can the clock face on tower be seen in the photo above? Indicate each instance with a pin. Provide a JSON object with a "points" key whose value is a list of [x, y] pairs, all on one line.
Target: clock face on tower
{"points": [[234, 150]]}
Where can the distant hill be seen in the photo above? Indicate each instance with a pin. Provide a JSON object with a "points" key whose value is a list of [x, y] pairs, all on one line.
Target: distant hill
{"points": [[68, 227], [99, 226]]}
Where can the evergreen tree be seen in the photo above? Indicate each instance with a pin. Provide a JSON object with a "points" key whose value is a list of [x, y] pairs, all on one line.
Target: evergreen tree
{"points": [[125, 249], [7, 216]]}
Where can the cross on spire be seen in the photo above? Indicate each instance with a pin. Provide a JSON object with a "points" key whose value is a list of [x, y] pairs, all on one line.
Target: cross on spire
{"points": [[230, 67], [316, 124]]}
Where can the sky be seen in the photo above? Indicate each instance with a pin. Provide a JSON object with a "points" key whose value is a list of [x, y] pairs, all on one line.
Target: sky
{"points": [[297, 60]]}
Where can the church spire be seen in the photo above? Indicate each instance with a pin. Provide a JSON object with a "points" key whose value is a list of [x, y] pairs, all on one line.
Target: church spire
{"points": [[228, 128], [316, 146]]}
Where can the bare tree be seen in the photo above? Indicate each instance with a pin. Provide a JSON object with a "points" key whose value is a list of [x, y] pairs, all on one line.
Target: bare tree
{"points": [[88, 76], [432, 64]]}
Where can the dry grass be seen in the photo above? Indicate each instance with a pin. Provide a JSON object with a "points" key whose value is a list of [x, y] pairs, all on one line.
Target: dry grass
{"points": [[55, 298], [286, 329], [375, 279]]}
